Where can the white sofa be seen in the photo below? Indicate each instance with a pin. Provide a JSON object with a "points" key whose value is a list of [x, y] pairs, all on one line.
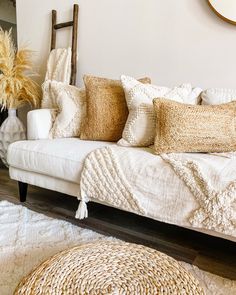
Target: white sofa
{"points": [[52, 164], [57, 164]]}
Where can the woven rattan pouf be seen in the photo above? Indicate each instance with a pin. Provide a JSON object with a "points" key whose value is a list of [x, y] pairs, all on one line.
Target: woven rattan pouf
{"points": [[109, 268]]}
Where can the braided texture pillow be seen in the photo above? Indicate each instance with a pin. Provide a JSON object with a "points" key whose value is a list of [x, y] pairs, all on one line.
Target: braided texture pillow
{"points": [[188, 128]]}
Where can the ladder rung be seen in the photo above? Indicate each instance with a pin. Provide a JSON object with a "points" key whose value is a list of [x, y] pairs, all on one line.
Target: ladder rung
{"points": [[63, 25]]}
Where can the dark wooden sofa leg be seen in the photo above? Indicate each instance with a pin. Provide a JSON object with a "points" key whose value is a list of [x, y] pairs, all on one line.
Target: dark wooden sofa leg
{"points": [[23, 187]]}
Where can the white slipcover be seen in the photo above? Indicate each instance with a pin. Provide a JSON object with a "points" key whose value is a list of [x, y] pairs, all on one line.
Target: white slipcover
{"points": [[60, 158], [39, 123]]}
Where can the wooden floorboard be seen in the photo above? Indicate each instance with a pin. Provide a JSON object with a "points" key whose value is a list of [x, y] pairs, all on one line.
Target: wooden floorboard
{"points": [[211, 254]]}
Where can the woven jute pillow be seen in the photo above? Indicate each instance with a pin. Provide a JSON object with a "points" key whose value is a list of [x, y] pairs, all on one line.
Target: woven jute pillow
{"points": [[187, 128], [111, 268], [107, 110]]}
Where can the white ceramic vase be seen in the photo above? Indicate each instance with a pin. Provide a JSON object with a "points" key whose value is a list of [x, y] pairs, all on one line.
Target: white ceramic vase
{"points": [[12, 129]]}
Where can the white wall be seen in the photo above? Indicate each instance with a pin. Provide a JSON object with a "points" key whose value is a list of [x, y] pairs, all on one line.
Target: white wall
{"points": [[170, 41]]}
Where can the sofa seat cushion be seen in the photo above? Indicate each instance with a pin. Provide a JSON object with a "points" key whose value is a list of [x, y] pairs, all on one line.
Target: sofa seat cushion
{"points": [[60, 158]]}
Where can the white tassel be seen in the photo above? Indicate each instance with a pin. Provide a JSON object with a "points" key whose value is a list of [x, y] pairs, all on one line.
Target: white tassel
{"points": [[82, 211]]}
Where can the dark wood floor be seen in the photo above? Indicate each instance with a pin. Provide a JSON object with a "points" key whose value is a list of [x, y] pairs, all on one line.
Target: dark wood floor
{"points": [[212, 254]]}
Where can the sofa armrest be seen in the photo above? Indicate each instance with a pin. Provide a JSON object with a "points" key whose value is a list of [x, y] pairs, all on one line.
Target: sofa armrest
{"points": [[39, 123]]}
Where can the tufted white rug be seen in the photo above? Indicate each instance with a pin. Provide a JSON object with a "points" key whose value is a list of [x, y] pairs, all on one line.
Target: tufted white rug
{"points": [[28, 238]]}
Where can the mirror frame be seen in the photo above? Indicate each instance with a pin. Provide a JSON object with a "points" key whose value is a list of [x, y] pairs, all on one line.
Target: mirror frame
{"points": [[220, 15]]}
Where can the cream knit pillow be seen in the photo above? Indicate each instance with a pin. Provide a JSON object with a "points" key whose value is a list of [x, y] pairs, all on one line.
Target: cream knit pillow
{"points": [[70, 103], [218, 95], [141, 123]]}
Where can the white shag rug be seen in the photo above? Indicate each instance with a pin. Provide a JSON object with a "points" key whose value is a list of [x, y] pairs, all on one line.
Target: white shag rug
{"points": [[27, 238]]}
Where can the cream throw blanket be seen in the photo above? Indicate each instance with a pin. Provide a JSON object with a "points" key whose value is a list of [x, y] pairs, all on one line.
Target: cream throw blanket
{"points": [[58, 69], [190, 190], [59, 65]]}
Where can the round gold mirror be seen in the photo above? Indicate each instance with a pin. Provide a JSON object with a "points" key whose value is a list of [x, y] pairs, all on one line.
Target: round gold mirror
{"points": [[225, 9]]}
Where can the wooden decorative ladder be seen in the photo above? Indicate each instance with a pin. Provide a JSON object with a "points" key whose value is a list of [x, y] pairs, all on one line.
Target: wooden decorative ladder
{"points": [[74, 25]]}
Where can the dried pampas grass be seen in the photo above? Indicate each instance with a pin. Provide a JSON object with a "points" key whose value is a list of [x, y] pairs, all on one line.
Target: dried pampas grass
{"points": [[17, 88]]}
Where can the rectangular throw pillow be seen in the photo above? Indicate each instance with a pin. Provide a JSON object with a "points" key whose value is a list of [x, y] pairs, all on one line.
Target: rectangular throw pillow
{"points": [[140, 126], [218, 95], [107, 111], [187, 128]]}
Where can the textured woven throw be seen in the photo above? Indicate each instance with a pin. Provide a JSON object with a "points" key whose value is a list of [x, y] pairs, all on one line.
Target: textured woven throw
{"points": [[59, 65], [195, 190], [58, 69]]}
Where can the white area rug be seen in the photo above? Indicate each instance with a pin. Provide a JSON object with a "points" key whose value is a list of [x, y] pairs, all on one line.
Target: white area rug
{"points": [[27, 238]]}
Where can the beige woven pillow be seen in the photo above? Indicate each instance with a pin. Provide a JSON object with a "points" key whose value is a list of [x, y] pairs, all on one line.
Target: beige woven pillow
{"points": [[188, 128], [107, 111]]}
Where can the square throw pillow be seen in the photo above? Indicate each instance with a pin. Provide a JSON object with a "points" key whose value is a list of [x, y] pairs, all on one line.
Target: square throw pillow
{"points": [[188, 128], [140, 126], [70, 103], [106, 109], [218, 95]]}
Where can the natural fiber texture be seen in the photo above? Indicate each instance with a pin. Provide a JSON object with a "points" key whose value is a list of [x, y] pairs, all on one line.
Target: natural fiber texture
{"points": [[187, 128], [140, 126], [29, 238], [106, 109], [17, 87], [110, 268]]}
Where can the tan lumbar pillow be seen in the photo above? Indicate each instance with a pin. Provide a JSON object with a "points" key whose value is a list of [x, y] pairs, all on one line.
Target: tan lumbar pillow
{"points": [[194, 128], [107, 110]]}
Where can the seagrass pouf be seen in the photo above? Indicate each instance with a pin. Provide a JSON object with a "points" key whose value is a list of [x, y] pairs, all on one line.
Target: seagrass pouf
{"points": [[109, 268]]}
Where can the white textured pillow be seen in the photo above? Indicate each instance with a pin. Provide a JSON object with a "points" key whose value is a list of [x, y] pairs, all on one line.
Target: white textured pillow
{"points": [[49, 94], [218, 95], [141, 123], [70, 102]]}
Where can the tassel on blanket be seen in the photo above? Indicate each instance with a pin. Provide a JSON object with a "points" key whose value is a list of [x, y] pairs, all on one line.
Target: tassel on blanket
{"points": [[82, 211]]}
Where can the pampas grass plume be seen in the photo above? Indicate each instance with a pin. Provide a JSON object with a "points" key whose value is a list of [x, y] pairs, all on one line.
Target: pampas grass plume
{"points": [[17, 88]]}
